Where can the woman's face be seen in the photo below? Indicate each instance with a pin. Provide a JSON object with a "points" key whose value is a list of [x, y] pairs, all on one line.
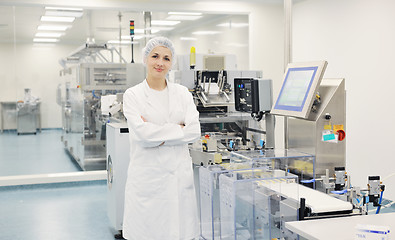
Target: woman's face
{"points": [[159, 62]]}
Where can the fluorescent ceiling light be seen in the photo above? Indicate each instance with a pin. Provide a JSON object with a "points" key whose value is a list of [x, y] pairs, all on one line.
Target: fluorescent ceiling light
{"points": [[157, 29], [188, 39], [57, 19], [64, 13], [183, 17], [49, 34], [138, 30], [231, 24], [64, 9], [53, 27], [153, 30], [50, 40], [205, 32], [185, 13], [164, 23], [138, 37]]}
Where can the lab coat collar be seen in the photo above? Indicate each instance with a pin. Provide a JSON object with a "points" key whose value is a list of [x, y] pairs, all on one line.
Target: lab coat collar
{"points": [[146, 87], [172, 94]]}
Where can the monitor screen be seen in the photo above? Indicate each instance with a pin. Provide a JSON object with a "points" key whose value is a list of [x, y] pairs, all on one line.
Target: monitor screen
{"points": [[301, 81]]}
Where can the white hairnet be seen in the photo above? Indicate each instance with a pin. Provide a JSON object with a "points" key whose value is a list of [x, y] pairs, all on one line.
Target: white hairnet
{"points": [[159, 41]]}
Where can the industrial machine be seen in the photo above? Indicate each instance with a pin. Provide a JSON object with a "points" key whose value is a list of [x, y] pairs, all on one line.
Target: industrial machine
{"points": [[224, 128], [117, 166], [236, 202], [28, 114], [252, 198], [83, 96], [316, 113]]}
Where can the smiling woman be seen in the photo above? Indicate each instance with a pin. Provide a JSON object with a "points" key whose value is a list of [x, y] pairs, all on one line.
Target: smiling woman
{"points": [[162, 120]]}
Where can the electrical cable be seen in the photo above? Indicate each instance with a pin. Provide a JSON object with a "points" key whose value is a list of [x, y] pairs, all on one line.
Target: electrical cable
{"points": [[308, 181], [339, 192], [381, 199], [93, 94]]}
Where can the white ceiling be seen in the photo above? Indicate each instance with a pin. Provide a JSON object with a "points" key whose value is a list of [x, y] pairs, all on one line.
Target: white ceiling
{"points": [[20, 23]]}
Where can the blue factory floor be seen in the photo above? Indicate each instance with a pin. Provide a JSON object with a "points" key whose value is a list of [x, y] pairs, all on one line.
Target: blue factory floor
{"points": [[34, 154], [61, 211], [64, 211]]}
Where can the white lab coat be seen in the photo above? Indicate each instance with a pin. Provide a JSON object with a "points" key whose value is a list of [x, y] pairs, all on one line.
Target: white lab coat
{"points": [[160, 201]]}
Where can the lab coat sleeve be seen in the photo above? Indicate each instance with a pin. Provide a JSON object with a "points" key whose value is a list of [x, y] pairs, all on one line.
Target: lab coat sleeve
{"points": [[147, 134], [191, 130]]}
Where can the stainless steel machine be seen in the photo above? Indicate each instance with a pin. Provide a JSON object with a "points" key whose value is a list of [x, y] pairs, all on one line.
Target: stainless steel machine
{"points": [[28, 114], [85, 86], [28, 117], [117, 167], [316, 112]]}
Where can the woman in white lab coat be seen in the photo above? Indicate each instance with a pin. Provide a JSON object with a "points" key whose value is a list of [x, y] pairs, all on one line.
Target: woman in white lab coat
{"points": [[160, 202]]}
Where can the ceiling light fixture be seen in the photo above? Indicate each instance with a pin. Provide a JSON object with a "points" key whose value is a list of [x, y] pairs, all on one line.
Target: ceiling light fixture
{"points": [[138, 30], [48, 40], [157, 29], [57, 19], [49, 34], [183, 17], [53, 27], [164, 23], [185, 13], [153, 30], [64, 9], [60, 13]]}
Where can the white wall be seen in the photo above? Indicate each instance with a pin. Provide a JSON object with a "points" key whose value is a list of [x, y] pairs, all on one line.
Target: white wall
{"points": [[228, 40], [36, 67], [357, 39], [267, 51]]}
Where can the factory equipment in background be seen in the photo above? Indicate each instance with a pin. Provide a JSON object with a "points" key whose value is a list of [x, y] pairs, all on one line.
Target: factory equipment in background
{"points": [[28, 114], [90, 96], [213, 88], [316, 112]]}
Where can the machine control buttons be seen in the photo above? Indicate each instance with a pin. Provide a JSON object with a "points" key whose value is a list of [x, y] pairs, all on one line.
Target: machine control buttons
{"points": [[328, 116]]}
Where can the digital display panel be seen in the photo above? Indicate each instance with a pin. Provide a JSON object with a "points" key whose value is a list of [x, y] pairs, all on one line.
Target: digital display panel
{"points": [[295, 89]]}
